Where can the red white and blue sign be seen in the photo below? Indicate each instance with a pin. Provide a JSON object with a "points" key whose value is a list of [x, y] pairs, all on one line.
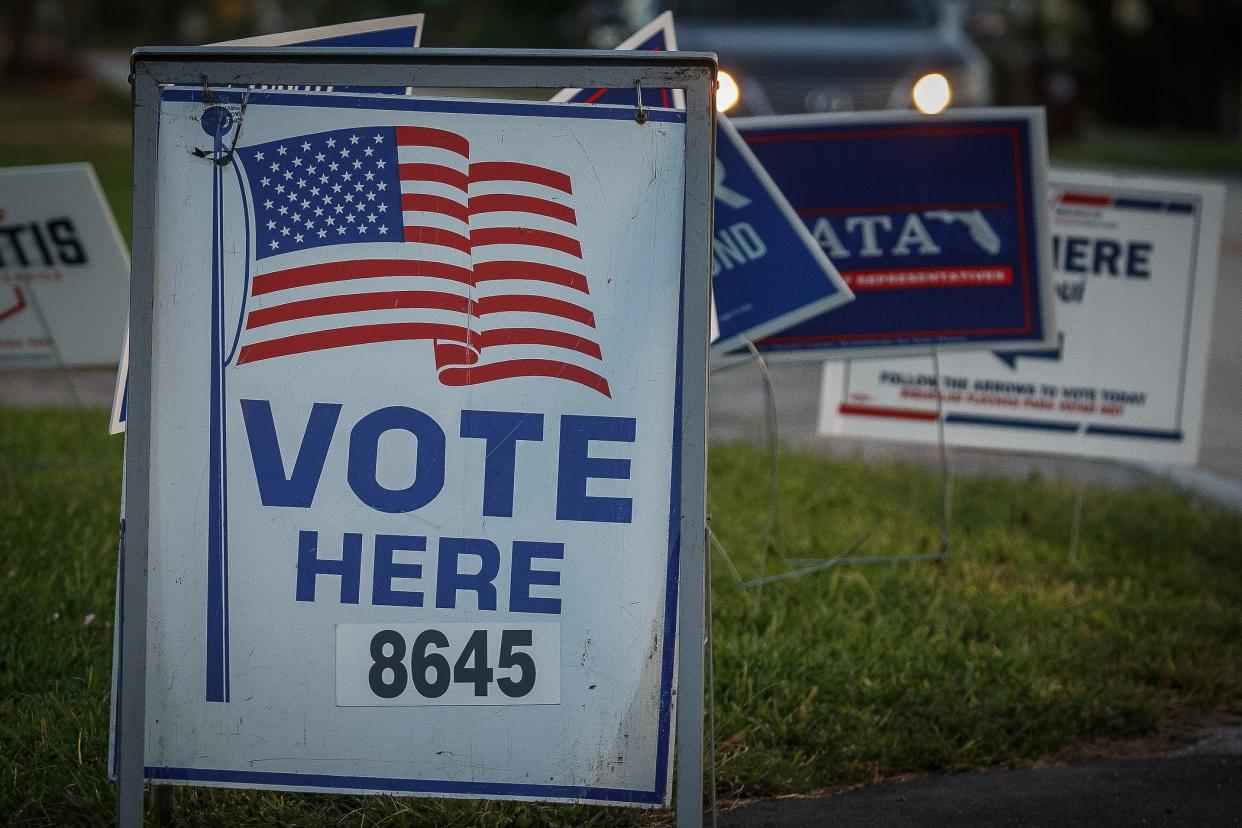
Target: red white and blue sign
{"points": [[418, 514], [937, 225], [768, 273]]}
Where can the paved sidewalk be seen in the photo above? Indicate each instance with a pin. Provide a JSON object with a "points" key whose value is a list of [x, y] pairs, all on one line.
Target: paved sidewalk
{"points": [[53, 387], [1198, 787]]}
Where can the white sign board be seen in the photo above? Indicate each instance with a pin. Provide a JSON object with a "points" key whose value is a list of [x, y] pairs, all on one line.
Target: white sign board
{"points": [[1135, 268], [416, 429], [64, 272]]}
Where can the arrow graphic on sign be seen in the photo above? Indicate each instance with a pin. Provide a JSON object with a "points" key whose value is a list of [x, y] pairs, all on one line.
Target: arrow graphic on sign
{"points": [[1010, 358], [15, 309]]}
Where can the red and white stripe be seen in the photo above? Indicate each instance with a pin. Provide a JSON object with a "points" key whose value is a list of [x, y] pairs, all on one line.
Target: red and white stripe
{"points": [[487, 266], [531, 291], [305, 304]]}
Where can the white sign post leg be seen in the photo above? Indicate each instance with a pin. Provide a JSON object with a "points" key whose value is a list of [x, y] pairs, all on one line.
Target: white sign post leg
{"points": [[946, 474]]}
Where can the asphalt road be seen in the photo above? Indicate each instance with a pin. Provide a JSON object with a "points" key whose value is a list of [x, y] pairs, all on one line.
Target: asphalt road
{"points": [[1184, 791], [1201, 786]]}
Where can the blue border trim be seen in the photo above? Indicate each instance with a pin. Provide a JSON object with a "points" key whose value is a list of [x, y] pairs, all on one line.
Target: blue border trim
{"points": [[342, 100], [383, 783], [1144, 433], [1011, 422], [673, 576]]}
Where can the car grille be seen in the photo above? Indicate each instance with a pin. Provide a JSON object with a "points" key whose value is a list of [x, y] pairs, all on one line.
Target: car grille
{"points": [[792, 95]]}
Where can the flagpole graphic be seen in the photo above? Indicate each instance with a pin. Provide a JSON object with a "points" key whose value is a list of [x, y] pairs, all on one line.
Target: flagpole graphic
{"points": [[217, 122]]}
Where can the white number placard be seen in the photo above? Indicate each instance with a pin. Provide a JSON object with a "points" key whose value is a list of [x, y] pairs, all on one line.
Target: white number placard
{"points": [[400, 665]]}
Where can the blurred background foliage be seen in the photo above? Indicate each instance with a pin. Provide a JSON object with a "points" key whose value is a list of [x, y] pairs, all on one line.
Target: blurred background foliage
{"points": [[1150, 64]]}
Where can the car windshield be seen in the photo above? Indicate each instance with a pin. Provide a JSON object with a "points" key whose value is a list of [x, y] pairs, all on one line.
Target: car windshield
{"points": [[836, 12]]}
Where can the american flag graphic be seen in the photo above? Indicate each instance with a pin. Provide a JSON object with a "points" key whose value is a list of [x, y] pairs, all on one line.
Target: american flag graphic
{"points": [[394, 234]]}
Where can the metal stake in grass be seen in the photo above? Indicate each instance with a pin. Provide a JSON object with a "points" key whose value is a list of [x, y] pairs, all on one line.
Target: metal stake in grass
{"points": [[769, 398], [79, 408], [773, 499], [709, 662], [946, 474], [769, 531], [1076, 518]]}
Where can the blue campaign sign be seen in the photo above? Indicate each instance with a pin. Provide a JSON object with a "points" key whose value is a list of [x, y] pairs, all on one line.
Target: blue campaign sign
{"points": [[385, 32], [767, 271], [395, 38], [937, 225], [391, 32], [656, 36]]}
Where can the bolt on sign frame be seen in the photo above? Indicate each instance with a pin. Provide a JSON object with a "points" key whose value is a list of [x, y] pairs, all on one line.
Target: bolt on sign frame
{"points": [[154, 70]]}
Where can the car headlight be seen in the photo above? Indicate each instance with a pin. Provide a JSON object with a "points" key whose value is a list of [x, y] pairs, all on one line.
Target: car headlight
{"points": [[727, 92], [931, 93]]}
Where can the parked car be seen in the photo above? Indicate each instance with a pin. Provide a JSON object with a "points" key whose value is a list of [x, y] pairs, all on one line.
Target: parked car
{"points": [[790, 56]]}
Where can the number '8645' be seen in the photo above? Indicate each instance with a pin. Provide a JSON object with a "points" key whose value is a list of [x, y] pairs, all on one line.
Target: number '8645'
{"points": [[428, 663]]}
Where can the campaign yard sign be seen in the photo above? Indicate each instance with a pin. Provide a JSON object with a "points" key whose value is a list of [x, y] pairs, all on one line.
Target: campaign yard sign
{"points": [[398, 32], [64, 271], [768, 273], [416, 524], [936, 224], [656, 36], [1135, 272], [395, 32]]}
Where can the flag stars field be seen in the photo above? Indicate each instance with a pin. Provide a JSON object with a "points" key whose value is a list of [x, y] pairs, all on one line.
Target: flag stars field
{"points": [[358, 182]]}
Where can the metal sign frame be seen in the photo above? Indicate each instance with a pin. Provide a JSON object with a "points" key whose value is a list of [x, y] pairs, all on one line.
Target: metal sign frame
{"points": [[153, 68]]}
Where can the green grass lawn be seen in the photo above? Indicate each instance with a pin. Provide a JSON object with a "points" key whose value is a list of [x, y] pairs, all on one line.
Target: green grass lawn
{"points": [[1011, 652], [1167, 153]]}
